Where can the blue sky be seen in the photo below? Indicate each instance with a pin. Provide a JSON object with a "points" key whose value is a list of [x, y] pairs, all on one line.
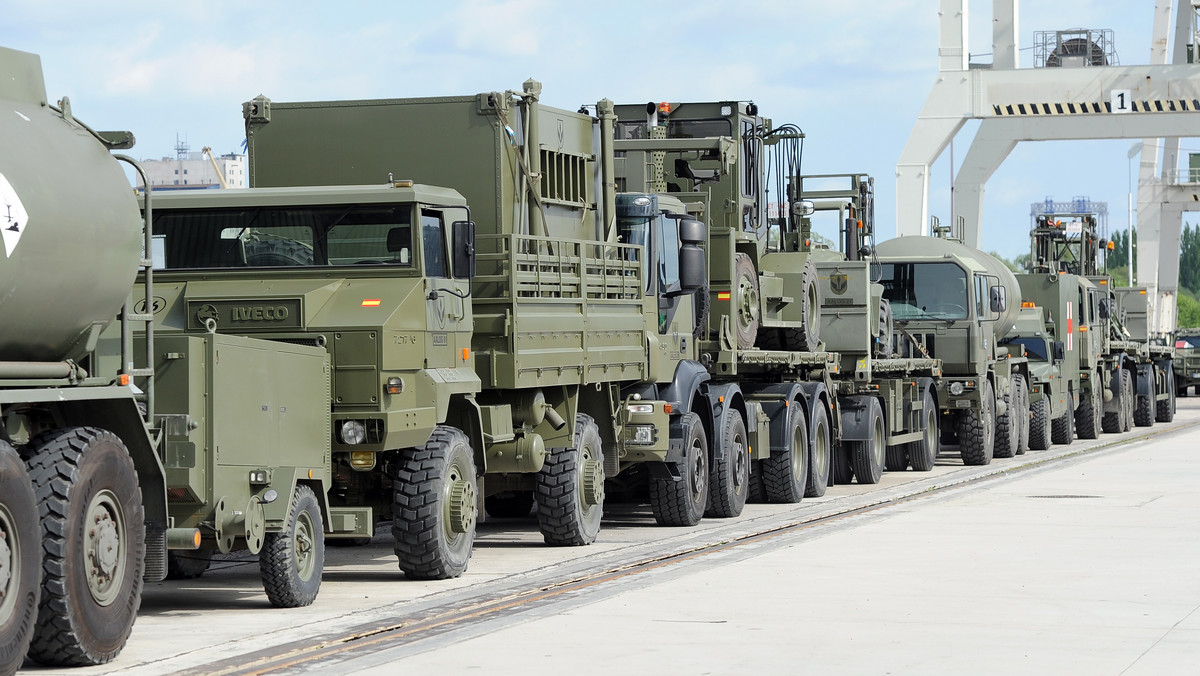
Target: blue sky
{"points": [[853, 74]]}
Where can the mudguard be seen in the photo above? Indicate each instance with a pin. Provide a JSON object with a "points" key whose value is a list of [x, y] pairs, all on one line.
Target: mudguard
{"points": [[855, 423], [724, 399]]}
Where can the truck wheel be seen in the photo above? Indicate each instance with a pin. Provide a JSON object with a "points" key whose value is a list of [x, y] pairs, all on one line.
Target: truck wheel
{"points": [[570, 488], [784, 473], [745, 301], [433, 506], [977, 430], [1087, 416], [1039, 426], [867, 456], [20, 560], [509, 504], [819, 460], [757, 493], [1113, 422], [1062, 428], [187, 565], [897, 458], [923, 454], [292, 560], [93, 545], [729, 481], [808, 336], [681, 502], [883, 344], [1127, 380], [1006, 425], [1164, 409], [1022, 419], [843, 471]]}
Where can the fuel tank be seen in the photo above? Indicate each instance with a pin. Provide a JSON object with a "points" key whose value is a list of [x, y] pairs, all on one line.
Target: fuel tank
{"points": [[69, 219]]}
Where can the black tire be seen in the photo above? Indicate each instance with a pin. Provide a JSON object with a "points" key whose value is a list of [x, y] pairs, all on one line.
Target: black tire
{"points": [[841, 471], [681, 502], [1113, 422], [189, 565], [820, 453], [867, 456], [703, 307], [785, 473], [1022, 420], [1164, 409], [896, 459], [1127, 386], [509, 505], [1143, 410], [745, 301], [570, 489], [277, 252], [976, 430], [20, 558], [1039, 425], [1087, 416], [89, 501], [923, 454], [433, 506], [729, 482], [1007, 434], [757, 493], [883, 342], [1062, 428], [292, 560]]}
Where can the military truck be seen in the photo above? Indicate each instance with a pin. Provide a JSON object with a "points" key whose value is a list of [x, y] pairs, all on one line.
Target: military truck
{"points": [[768, 327], [519, 385], [1187, 362], [1136, 371], [88, 501], [1051, 394], [956, 304]]}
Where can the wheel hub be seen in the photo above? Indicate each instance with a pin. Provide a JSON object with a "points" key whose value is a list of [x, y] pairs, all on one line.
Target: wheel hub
{"points": [[748, 302], [103, 529], [462, 506], [593, 483]]}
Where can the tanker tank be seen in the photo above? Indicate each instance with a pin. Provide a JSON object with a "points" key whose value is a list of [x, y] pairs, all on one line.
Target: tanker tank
{"points": [[972, 261], [68, 263]]}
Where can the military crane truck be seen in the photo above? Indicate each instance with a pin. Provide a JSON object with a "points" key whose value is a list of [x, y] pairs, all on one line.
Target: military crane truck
{"points": [[956, 304], [560, 358], [768, 328], [87, 499]]}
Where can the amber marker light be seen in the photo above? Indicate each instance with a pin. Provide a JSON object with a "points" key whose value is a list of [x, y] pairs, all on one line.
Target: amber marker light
{"points": [[466, 353], [123, 379]]}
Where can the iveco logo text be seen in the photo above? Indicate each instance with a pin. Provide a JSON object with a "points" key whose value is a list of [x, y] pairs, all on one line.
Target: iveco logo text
{"points": [[258, 314]]}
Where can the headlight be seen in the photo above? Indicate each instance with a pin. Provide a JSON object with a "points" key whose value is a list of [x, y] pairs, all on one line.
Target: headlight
{"points": [[641, 408], [956, 388], [353, 432]]}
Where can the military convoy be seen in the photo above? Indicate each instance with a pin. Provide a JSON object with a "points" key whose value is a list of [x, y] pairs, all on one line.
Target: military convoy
{"points": [[432, 311]]}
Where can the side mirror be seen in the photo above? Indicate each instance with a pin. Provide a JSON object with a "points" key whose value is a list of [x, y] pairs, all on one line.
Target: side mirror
{"points": [[1060, 351], [803, 208], [998, 298], [462, 236], [691, 231], [693, 268], [1105, 308]]}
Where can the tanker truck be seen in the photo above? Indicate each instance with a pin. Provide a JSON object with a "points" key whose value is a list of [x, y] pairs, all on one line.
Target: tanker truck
{"points": [[92, 441], [956, 304]]}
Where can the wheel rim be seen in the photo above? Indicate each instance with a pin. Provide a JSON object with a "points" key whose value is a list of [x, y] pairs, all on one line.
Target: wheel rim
{"points": [[879, 443], [813, 308], [798, 450], [460, 504], [591, 489], [10, 565], [305, 546], [747, 303], [821, 451], [699, 471], [931, 435], [104, 546], [741, 464]]}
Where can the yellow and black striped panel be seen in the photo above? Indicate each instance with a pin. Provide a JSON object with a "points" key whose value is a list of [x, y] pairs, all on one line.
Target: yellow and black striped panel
{"points": [[1095, 107]]}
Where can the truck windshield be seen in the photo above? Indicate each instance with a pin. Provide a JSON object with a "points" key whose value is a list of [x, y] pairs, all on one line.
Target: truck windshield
{"points": [[925, 290], [710, 128], [256, 237]]}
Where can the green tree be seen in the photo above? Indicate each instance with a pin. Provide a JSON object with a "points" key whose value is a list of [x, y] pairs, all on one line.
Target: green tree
{"points": [[1187, 310]]}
